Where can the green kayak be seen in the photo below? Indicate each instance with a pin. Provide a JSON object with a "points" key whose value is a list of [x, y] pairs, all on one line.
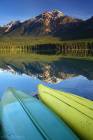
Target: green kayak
{"points": [[26, 118], [76, 111]]}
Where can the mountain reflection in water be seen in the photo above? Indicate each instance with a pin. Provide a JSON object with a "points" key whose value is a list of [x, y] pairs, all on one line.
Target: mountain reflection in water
{"points": [[78, 85], [25, 71]]}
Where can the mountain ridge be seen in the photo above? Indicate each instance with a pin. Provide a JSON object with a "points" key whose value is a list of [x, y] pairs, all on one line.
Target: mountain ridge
{"points": [[54, 23]]}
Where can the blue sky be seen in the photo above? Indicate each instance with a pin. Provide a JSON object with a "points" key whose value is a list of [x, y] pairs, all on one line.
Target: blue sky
{"points": [[25, 9]]}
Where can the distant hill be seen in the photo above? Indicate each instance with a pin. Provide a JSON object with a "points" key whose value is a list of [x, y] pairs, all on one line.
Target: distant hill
{"points": [[53, 23]]}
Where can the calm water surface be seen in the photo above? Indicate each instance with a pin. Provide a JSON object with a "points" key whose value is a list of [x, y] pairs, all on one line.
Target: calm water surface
{"points": [[23, 73]]}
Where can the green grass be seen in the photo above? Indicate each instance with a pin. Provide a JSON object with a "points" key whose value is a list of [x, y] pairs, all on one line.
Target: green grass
{"points": [[13, 48], [31, 41]]}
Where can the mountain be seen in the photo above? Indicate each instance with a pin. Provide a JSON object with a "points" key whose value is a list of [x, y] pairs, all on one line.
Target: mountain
{"points": [[53, 23], [12, 25], [78, 30]]}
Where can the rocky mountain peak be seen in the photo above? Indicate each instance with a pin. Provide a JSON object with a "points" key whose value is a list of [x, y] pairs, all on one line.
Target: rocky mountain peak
{"points": [[11, 25], [53, 23], [49, 17], [57, 13], [90, 19], [52, 14]]}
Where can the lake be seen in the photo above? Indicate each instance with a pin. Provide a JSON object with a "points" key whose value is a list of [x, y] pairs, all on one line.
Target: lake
{"points": [[25, 70]]}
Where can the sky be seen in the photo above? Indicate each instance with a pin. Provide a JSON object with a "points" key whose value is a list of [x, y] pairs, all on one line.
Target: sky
{"points": [[24, 9]]}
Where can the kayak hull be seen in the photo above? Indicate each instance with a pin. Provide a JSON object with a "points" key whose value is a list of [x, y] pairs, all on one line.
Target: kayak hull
{"points": [[26, 118], [78, 116]]}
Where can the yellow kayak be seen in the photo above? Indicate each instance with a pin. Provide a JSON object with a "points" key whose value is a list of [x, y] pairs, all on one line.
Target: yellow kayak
{"points": [[78, 99], [76, 111]]}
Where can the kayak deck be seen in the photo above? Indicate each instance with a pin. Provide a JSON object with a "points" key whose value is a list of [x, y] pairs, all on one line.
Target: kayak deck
{"points": [[71, 109], [26, 118]]}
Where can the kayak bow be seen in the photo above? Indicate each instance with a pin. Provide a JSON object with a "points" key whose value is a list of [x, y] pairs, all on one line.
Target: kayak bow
{"points": [[76, 111], [26, 118]]}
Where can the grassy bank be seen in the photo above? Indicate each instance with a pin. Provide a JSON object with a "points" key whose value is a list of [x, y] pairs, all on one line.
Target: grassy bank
{"points": [[47, 45], [31, 41]]}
